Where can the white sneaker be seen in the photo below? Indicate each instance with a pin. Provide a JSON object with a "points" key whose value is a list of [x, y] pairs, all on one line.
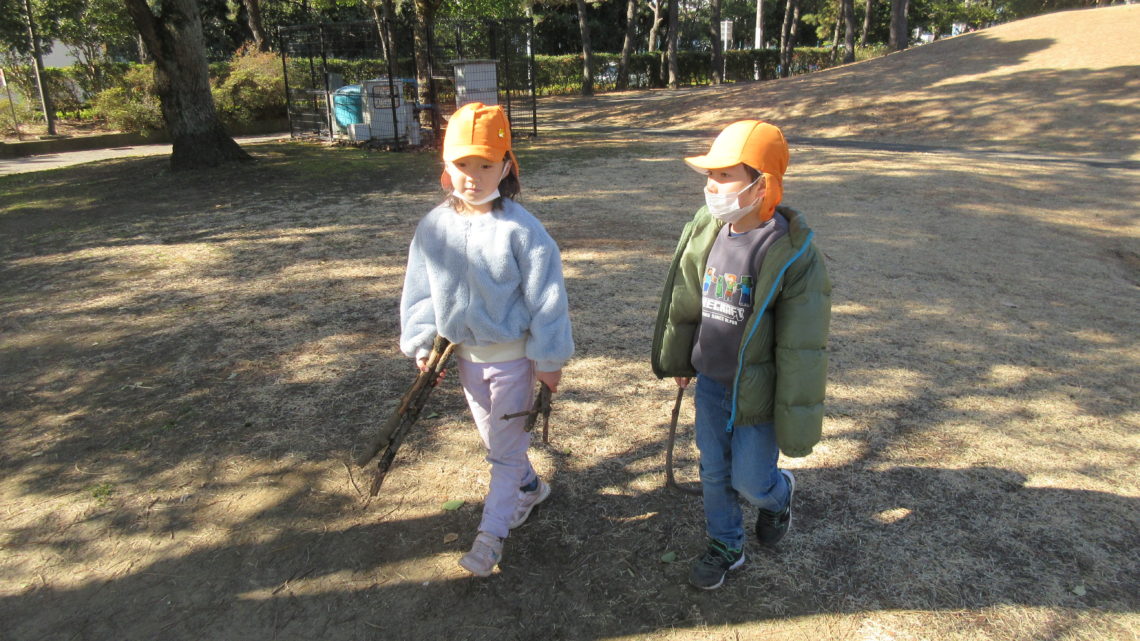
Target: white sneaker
{"points": [[527, 501], [485, 554]]}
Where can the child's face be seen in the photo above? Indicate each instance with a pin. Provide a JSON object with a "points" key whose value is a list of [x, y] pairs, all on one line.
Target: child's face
{"points": [[732, 180], [476, 177]]}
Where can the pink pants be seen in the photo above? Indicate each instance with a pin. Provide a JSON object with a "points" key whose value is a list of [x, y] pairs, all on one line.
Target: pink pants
{"points": [[492, 390]]}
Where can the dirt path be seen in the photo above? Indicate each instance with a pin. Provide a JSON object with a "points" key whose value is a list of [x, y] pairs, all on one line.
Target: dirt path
{"points": [[42, 162], [186, 362]]}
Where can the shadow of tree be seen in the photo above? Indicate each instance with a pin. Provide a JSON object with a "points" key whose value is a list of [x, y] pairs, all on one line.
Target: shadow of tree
{"points": [[936, 539]]}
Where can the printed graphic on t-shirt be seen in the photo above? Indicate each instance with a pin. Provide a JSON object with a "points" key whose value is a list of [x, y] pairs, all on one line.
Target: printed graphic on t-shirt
{"points": [[727, 297]]}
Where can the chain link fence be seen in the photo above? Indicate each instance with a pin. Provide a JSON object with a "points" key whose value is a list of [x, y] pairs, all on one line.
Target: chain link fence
{"points": [[341, 81]]}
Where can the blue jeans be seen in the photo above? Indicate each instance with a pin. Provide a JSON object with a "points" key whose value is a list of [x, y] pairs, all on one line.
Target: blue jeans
{"points": [[740, 463]]}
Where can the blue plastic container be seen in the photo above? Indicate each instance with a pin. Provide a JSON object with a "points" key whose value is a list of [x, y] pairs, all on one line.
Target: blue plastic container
{"points": [[348, 106]]}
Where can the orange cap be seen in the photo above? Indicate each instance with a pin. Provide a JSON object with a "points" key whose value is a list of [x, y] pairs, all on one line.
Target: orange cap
{"points": [[759, 145], [479, 130]]}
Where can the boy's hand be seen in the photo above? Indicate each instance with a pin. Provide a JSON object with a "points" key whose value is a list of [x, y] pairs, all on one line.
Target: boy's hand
{"points": [[550, 378], [682, 382]]}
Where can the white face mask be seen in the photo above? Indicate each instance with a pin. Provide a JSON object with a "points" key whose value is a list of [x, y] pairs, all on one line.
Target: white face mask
{"points": [[456, 174], [726, 207], [475, 201]]}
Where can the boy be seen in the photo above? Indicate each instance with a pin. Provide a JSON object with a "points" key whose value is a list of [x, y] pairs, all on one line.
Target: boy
{"points": [[746, 309]]}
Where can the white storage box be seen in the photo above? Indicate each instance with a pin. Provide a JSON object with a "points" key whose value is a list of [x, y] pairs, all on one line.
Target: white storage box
{"points": [[382, 124], [378, 111], [359, 132], [476, 81]]}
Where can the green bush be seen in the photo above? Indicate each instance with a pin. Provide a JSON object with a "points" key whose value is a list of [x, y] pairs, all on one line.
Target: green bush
{"points": [[250, 88], [751, 64], [133, 106], [63, 91], [86, 113], [25, 112], [871, 51], [102, 74]]}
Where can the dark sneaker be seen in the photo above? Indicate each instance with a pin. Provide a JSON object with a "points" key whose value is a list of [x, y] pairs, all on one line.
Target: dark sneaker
{"points": [[709, 571], [772, 526]]}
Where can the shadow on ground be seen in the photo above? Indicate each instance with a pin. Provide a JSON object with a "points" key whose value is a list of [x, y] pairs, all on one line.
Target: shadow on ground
{"points": [[247, 334]]}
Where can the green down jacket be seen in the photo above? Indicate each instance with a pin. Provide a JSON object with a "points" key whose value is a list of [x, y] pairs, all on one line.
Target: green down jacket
{"points": [[781, 371]]}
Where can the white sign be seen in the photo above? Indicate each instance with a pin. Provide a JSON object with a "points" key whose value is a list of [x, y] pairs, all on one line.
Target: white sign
{"points": [[726, 34]]}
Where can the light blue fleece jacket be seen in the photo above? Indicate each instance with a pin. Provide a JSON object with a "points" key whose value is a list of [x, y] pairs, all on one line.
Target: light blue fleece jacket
{"points": [[486, 279]]}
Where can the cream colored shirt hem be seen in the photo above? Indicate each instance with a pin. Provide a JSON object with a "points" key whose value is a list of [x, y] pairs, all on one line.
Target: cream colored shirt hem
{"points": [[494, 353]]}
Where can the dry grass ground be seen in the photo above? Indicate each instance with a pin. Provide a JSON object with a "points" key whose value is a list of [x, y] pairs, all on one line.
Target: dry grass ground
{"points": [[187, 362]]}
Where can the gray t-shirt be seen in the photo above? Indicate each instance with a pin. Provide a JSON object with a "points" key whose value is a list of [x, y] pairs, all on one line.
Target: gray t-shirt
{"points": [[727, 295]]}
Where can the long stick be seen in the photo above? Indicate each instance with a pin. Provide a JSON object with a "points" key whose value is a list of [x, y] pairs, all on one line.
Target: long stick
{"points": [[392, 433], [436, 360], [670, 481]]}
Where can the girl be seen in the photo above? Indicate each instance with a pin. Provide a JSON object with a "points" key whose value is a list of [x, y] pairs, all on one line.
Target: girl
{"points": [[484, 274]]}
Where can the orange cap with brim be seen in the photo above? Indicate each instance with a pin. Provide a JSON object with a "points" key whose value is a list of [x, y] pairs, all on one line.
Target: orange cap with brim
{"points": [[479, 130], [759, 145]]}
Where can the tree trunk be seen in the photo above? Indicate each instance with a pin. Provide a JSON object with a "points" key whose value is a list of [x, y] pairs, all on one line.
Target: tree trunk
{"points": [[425, 13], [182, 80], [253, 18], [787, 43], [41, 79], [899, 35], [587, 52], [835, 33], [866, 24], [671, 48], [656, 4], [382, 15], [144, 55], [848, 31], [758, 40], [627, 44], [794, 32], [718, 46], [381, 33]]}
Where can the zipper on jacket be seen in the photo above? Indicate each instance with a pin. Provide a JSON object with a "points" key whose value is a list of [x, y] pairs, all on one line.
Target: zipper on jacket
{"points": [[756, 325]]}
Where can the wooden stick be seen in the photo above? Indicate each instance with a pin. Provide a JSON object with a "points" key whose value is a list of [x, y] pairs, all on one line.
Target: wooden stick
{"points": [[670, 481]]}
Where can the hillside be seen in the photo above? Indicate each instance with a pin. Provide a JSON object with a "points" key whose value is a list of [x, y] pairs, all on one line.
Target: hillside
{"points": [[1067, 82]]}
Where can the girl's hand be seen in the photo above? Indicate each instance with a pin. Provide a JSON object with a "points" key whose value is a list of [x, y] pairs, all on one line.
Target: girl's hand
{"points": [[682, 382], [421, 363], [551, 379]]}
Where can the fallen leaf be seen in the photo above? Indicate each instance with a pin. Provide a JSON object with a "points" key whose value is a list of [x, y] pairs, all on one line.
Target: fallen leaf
{"points": [[450, 537], [1080, 590], [432, 415], [452, 505], [669, 557]]}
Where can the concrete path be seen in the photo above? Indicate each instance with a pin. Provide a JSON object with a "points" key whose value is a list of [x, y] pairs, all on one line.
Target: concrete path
{"points": [[42, 162]]}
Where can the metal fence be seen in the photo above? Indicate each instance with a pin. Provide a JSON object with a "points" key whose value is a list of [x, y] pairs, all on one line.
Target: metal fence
{"points": [[507, 42], [323, 62]]}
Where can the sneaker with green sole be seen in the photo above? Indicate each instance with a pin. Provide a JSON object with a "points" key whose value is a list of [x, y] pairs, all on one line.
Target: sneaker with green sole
{"points": [[708, 572]]}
